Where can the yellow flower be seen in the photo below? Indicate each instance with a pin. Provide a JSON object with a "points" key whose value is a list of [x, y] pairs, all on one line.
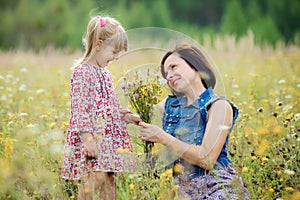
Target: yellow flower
{"points": [[279, 172], [281, 180], [156, 147], [264, 159], [169, 173], [178, 168], [52, 125], [162, 175], [131, 186], [289, 189], [64, 125], [245, 169], [271, 190]]}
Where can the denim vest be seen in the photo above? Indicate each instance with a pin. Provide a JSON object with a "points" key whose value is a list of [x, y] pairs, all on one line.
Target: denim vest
{"points": [[188, 123]]}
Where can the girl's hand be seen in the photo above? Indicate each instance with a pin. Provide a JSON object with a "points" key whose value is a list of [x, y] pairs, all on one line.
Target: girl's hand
{"points": [[90, 147], [151, 133], [131, 118]]}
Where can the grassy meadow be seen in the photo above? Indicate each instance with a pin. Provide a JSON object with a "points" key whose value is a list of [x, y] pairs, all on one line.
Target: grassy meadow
{"points": [[265, 145]]}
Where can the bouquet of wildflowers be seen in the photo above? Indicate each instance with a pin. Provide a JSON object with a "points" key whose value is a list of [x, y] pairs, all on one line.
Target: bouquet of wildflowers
{"points": [[143, 91]]}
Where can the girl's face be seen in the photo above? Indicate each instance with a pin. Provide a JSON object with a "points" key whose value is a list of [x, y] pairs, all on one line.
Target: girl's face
{"points": [[179, 74], [107, 54]]}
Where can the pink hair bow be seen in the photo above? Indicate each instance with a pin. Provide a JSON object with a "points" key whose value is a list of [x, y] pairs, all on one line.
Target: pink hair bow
{"points": [[102, 21]]}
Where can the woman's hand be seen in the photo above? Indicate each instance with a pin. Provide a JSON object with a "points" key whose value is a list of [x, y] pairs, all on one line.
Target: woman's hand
{"points": [[152, 133], [90, 147]]}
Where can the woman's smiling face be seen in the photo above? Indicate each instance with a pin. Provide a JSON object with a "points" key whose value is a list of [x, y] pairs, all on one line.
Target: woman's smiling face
{"points": [[179, 74]]}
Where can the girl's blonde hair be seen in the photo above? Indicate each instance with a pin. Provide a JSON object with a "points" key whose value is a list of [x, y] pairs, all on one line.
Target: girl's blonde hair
{"points": [[107, 29]]}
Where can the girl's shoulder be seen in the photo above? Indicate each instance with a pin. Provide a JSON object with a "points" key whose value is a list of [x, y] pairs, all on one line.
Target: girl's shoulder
{"points": [[83, 68], [83, 71]]}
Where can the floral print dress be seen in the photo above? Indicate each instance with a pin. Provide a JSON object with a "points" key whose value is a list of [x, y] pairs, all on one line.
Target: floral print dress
{"points": [[95, 108]]}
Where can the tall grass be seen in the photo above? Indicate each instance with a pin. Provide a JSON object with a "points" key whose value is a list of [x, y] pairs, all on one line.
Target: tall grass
{"points": [[263, 81]]}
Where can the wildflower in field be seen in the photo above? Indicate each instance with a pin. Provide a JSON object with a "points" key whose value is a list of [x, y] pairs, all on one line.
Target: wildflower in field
{"points": [[39, 91], [245, 169], [131, 186], [52, 125], [282, 81], [23, 114], [64, 125], [9, 123], [271, 190], [289, 172], [44, 116], [23, 87], [178, 168], [156, 148], [23, 70], [279, 172], [289, 189], [169, 173], [297, 116]]}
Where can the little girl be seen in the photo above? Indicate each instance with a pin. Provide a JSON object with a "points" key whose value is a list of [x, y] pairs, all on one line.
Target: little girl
{"points": [[97, 125]]}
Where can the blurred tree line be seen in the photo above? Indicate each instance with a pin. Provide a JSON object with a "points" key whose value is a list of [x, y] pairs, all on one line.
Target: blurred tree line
{"points": [[35, 24]]}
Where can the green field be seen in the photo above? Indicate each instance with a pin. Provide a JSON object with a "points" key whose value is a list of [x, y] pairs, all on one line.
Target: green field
{"points": [[263, 81]]}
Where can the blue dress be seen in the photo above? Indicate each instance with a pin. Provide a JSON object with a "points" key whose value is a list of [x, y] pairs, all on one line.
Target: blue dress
{"points": [[188, 123]]}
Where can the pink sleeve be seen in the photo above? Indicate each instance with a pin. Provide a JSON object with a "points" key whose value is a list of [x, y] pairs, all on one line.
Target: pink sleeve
{"points": [[82, 95]]}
